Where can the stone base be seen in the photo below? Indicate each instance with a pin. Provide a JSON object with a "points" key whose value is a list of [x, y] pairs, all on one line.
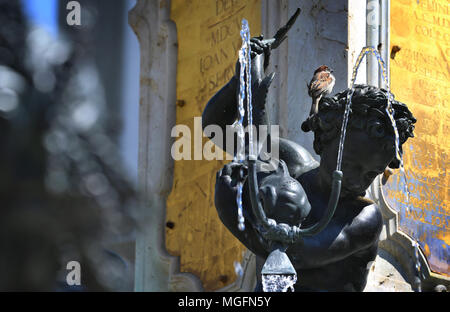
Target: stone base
{"points": [[385, 275]]}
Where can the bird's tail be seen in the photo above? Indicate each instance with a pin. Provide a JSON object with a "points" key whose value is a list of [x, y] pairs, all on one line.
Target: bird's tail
{"points": [[315, 105]]}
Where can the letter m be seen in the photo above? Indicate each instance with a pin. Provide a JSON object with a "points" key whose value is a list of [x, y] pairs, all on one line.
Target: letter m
{"points": [[229, 303]]}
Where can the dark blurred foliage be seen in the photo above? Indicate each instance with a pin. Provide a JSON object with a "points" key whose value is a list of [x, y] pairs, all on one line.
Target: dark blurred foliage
{"points": [[63, 193]]}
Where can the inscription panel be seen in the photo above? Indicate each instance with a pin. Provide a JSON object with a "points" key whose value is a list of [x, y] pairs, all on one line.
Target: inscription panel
{"points": [[208, 44], [420, 77]]}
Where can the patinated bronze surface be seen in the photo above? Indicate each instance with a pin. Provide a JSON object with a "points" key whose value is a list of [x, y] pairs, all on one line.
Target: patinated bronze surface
{"points": [[338, 258]]}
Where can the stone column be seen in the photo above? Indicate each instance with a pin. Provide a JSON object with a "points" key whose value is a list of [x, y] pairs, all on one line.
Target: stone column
{"points": [[156, 270]]}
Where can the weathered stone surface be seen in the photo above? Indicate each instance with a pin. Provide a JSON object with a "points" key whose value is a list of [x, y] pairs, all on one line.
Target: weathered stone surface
{"points": [[385, 275]]}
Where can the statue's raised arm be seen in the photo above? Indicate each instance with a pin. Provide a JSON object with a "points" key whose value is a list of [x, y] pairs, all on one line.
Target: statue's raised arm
{"points": [[221, 110]]}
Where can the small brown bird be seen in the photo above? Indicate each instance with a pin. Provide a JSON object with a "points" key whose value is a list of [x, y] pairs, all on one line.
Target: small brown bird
{"points": [[321, 84]]}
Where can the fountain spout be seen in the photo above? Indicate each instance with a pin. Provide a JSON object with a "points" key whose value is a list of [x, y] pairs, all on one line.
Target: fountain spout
{"points": [[278, 273]]}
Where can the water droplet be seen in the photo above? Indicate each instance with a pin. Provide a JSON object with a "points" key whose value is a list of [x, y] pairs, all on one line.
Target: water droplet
{"points": [[278, 283], [9, 101], [44, 81], [85, 115], [238, 268]]}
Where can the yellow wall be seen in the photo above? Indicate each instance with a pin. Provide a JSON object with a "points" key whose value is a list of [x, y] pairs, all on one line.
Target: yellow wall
{"points": [[420, 77], [208, 41]]}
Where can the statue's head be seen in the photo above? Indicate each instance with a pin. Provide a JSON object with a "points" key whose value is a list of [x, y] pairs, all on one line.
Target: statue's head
{"points": [[370, 139]]}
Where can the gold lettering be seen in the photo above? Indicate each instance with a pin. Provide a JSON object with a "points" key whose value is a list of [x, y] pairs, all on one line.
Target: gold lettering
{"points": [[223, 6], [209, 62]]}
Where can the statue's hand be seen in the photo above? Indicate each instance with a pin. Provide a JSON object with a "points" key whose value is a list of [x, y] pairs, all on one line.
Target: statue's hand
{"points": [[227, 180], [230, 175], [257, 47]]}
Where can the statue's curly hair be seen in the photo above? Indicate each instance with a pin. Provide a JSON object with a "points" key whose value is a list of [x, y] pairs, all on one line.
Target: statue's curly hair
{"points": [[368, 112]]}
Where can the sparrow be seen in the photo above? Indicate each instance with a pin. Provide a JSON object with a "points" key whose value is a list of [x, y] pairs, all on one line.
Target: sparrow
{"points": [[321, 84]]}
